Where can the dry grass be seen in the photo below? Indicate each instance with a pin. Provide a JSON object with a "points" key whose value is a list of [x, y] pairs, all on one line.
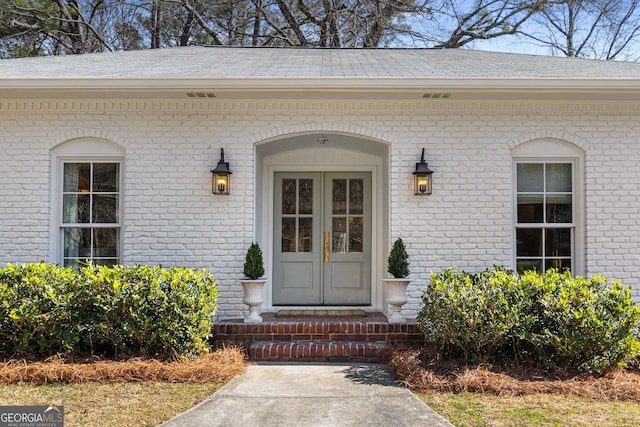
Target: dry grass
{"points": [[111, 405], [217, 367], [135, 392], [421, 372]]}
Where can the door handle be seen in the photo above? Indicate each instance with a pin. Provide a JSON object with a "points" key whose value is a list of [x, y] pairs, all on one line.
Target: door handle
{"points": [[326, 246]]}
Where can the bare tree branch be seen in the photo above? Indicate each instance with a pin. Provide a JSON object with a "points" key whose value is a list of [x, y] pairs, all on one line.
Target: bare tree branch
{"points": [[293, 23], [605, 29], [203, 24]]}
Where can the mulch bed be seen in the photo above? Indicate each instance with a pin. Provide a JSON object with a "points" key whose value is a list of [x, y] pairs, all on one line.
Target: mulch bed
{"points": [[418, 369], [217, 367], [421, 371]]}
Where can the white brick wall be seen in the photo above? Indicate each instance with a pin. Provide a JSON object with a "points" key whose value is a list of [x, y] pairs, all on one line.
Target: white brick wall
{"points": [[171, 218]]}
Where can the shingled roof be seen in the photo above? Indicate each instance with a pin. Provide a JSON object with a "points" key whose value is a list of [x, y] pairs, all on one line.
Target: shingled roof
{"points": [[296, 63], [230, 69]]}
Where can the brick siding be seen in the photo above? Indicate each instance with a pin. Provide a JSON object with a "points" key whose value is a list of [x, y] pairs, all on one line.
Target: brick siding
{"points": [[171, 217]]}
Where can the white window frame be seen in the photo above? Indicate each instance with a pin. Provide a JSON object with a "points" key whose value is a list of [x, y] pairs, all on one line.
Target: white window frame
{"points": [[83, 150], [553, 151]]}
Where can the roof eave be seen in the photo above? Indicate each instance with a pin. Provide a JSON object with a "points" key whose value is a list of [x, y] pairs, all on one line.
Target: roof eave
{"points": [[328, 83]]}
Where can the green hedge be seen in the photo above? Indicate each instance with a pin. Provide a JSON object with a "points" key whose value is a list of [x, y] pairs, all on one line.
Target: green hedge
{"points": [[138, 310], [553, 319]]}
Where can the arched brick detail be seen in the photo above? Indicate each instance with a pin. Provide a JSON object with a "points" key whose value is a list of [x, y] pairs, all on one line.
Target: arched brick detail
{"points": [[550, 134], [87, 133], [319, 127]]}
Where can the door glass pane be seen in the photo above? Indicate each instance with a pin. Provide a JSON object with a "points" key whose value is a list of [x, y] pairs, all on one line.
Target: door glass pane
{"points": [[288, 196], [558, 177], [529, 242], [75, 208], [339, 233], [105, 208], [557, 242], [559, 208], [106, 242], [355, 234], [105, 177], [306, 196], [530, 208], [288, 234], [356, 189], [77, 178], [305, 232], [530, 177], [339, 196]]}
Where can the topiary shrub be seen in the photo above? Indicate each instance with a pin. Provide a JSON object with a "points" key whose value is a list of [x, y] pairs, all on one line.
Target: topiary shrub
{"points": [[253, 264], [398, 260], [553, 320]]}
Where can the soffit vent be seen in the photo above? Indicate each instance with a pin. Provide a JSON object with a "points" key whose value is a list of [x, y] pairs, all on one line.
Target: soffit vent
{"points": [[436, 95], [201, 95]]}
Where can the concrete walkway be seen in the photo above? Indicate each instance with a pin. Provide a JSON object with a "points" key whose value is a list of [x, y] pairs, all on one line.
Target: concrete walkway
{"points": [[305, 394]]}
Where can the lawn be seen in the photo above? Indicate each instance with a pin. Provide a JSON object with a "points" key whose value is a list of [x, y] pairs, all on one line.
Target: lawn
{"points": [[477, 409], [136, 392], [111, 405]]}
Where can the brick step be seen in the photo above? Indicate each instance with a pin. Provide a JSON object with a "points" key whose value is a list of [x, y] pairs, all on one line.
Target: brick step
{"points": [[319, 351], [317, 339], [327, 330]]}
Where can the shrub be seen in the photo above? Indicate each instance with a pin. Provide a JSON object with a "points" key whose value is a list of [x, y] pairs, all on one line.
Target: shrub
{"points": [[151, 310], [475, 315], [37, 312], [553, 319], [398, 260], [135, 310], [253, 264], [578, 323]]}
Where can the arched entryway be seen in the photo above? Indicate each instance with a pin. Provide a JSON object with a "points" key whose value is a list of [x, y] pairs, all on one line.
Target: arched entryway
{"points": [[322, 215]]}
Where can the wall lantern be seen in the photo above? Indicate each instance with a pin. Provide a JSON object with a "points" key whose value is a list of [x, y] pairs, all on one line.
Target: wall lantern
{"points": [[422, 178], [221, 176]]}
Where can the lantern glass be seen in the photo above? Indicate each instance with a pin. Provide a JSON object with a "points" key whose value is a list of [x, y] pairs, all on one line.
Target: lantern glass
{"points": [[221, 183], [422, 184]]}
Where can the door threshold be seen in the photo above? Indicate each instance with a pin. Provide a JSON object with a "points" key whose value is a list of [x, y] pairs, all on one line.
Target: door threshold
{"points": [[322, 313], [277, 308]]}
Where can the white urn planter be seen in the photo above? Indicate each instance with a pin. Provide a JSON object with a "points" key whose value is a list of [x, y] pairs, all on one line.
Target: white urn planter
{"points": [[253, 298], [396, 297]]}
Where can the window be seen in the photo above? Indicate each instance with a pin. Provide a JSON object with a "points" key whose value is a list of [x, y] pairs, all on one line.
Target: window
{"points": [[90, 228], [545, 225], [548, 206]]}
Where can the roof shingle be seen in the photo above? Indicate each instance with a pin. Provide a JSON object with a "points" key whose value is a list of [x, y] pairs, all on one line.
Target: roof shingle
{"points": [[296, 63]]}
